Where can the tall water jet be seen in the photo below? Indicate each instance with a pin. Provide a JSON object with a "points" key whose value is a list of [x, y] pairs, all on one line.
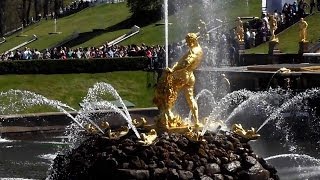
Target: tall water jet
{"points": [[298, 98], [264, 102], [166, 31], [19, 100], [301, 166], [99, 89]]}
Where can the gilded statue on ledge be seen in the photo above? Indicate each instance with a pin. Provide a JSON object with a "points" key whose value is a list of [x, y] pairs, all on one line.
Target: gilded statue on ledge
{"points": [[239, 30], [179, 78], [273, 27], [303, 25]]}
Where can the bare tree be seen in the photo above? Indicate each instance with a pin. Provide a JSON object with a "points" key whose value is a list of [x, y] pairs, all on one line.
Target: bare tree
{"points": [[28, 11], [37, 13], [2, 14], [23, 12]]}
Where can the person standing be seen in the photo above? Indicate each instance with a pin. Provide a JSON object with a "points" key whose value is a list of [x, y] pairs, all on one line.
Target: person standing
{"points": [[312, 5]]}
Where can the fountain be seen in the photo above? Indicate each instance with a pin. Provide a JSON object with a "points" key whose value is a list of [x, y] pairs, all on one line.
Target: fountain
{"points": [[170, 147], [275, 102], [198, 146]]}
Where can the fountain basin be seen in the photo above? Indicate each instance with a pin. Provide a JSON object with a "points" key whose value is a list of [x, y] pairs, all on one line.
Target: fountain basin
{"points": [[56, 121]]}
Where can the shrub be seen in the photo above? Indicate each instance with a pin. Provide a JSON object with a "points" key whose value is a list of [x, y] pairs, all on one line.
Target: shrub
{"points": [[73, 66]]}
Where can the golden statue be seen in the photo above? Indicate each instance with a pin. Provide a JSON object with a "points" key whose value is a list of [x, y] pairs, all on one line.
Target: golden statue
{"points": [[140, 122], [149, 138], [194, 135], [116, 134], [303, 25], [273, 27], [176, 79], [240, 30], [250, 134], [91, 129], [179, 78]]}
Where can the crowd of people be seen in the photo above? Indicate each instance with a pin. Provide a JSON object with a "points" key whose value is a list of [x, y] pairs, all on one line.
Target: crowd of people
{"points": [[256, 32], [154, 53], [72, 8], [78, 5]]}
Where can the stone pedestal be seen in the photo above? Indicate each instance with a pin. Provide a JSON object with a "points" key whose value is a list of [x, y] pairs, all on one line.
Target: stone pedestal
{"points": [[303, 47], [273, 47], [241, 47]]}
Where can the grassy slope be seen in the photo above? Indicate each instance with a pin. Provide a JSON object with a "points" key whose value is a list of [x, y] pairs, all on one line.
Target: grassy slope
{"points": [[289, 39], [107, 15], [153, 34], [71, 88], [101, 16]]}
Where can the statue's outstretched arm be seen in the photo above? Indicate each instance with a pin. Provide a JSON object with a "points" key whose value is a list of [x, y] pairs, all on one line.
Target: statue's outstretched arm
{"points": [[184, 62]]}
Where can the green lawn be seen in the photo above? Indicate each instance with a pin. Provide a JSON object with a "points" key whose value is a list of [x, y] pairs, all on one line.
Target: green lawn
{"points": [[72, 88], [101, 16], [289, 38]]}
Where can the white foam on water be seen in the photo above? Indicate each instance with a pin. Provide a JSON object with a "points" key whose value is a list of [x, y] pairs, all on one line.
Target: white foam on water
{"points": [[51, 142], [16, 179], [61, 137], [2, 140], [48, 156]]}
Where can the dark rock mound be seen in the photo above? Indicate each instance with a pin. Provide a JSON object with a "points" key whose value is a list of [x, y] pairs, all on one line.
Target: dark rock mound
{"points": [[221, 157]]}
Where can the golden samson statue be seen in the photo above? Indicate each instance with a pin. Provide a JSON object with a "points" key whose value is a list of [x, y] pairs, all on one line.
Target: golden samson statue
{"points": [[303, 25], [179, 78]]}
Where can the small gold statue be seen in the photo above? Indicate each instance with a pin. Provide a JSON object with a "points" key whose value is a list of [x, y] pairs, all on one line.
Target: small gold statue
{"points": [[273, 27], [149, 138], [124, 130], [91, 129], [179, 78], [239, 30], [250, 134], [139, 123], [284, 70], [104, 125], [303, 25], [194, 135]]}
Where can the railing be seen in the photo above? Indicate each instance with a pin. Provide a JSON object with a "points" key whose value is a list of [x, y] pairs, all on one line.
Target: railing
{"points": [[315, 48], [23, 44], [3, 40], [134, 30], [311, 57]]}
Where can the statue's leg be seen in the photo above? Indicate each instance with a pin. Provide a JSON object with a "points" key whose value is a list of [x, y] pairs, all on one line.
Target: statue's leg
{"points": [[171, 102], [192, 103]]}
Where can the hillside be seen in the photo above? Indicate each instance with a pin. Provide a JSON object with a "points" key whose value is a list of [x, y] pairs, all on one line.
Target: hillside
{"points": [[153, 34], [101, 17], [111, 15]]}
